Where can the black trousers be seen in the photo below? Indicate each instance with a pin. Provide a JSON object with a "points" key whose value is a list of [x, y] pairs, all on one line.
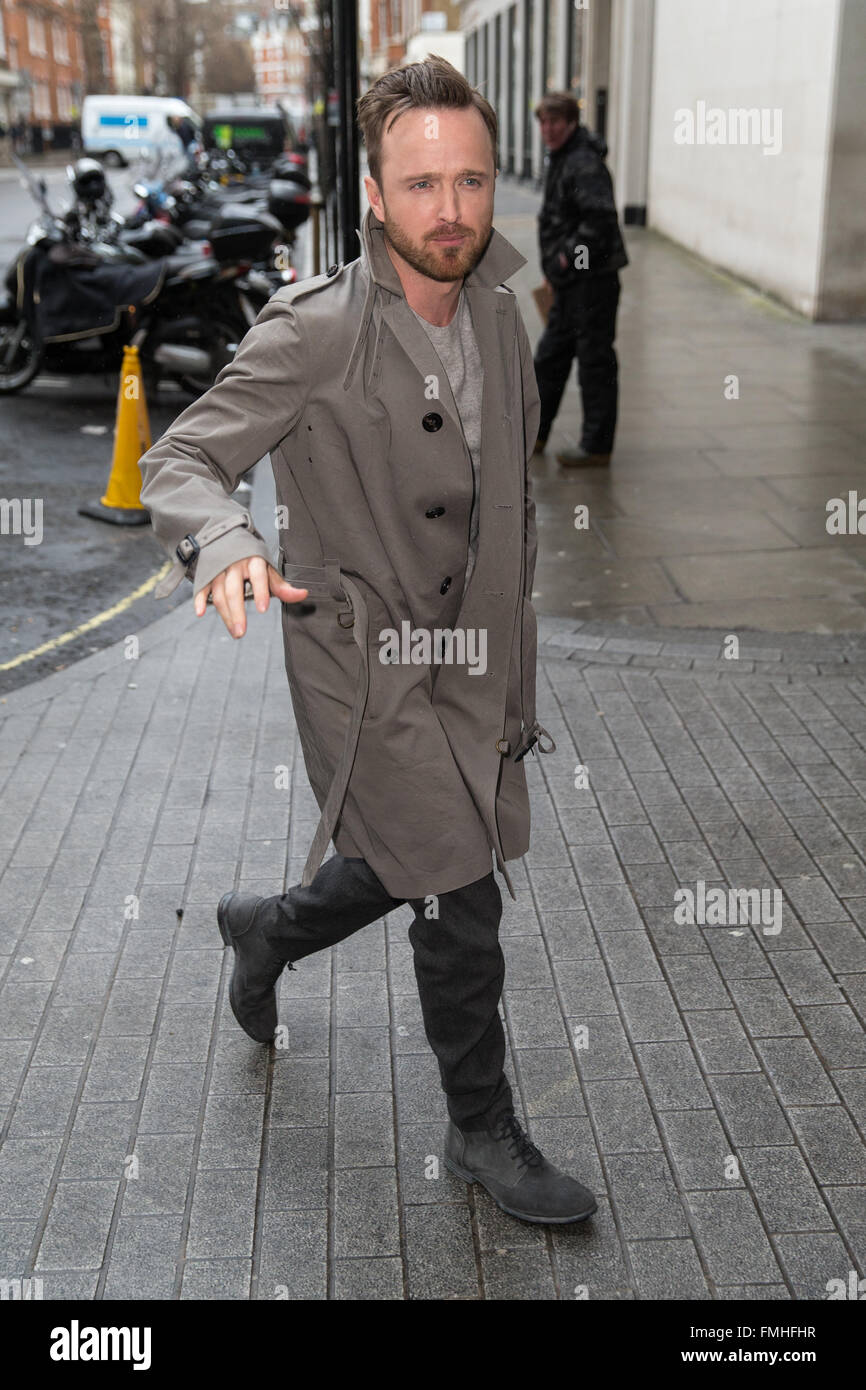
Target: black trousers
{"points": [[459, 968], [582, 324]]}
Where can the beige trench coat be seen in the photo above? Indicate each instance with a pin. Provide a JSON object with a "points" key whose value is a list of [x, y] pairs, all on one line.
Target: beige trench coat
{"points": [[417, 768]]}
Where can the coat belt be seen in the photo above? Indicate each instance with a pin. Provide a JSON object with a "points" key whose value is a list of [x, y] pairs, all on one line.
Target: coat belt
{"points": [[343, 771]]}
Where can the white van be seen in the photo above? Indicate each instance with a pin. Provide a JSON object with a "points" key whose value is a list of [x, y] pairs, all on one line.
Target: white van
{"points": [[116, 129]]}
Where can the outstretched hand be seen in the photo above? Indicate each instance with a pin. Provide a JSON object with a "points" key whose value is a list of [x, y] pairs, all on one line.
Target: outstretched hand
{"points": [[227, 592]]}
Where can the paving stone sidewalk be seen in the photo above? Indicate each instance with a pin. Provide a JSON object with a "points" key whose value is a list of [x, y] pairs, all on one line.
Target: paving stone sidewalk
{"points": [[151, 1150]]}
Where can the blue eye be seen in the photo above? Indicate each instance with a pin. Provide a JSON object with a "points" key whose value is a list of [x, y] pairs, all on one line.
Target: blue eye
{"points": [[469, 179]]}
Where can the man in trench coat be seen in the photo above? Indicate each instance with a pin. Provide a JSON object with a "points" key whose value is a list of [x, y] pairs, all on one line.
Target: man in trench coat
{"points": [[416, 762]]}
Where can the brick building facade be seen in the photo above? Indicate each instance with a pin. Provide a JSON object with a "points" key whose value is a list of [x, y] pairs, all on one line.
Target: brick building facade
{"points": [[47, 53]]}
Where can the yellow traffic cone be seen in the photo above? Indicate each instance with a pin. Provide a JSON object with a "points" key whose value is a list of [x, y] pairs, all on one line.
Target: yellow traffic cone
{"points": [[121, 505]]}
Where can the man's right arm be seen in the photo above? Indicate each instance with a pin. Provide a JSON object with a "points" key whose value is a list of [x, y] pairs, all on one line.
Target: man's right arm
{"points": [[189, 474]]}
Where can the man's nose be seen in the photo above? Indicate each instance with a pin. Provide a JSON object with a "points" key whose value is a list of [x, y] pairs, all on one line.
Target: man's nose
{"points": [[449, 206]]}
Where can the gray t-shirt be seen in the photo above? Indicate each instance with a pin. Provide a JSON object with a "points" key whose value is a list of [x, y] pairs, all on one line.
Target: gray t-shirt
{"points": [[457, 349]]}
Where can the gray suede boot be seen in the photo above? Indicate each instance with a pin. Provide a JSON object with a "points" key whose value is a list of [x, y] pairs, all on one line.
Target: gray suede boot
{"points": [[516, 1174]]}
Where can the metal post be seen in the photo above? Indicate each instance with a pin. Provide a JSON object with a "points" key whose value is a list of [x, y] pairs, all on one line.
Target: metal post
{"points": [[346, 84], [316, 209]]}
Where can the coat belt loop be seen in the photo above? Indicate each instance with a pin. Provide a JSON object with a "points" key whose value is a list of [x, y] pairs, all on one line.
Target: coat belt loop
{"points": [[332, 575], [343, 771]]}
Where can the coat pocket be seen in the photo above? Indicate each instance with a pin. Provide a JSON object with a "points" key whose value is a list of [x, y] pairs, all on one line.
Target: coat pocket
{"points": [[325, 592]]}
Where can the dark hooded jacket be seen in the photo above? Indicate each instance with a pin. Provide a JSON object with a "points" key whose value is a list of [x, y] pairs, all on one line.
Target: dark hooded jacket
{"points": [[578, 209]]}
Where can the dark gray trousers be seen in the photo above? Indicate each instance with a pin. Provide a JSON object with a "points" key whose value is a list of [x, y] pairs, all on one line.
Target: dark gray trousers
{"points": [[459, 968], [582, 324]]}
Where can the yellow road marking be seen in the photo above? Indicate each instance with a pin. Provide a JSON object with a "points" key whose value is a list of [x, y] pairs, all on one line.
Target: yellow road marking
{"points": [[91, 622]]}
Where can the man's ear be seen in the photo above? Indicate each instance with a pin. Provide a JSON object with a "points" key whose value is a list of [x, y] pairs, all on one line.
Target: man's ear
{"points": [[374, 195]]}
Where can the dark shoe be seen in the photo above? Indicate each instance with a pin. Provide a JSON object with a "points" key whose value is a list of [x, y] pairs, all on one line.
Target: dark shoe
{"points": [[516, 1174], [252, 989], [578, 458], [539, 445]]}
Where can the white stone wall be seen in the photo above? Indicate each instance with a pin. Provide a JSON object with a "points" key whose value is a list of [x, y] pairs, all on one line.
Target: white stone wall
{"points": [[758, 215]]}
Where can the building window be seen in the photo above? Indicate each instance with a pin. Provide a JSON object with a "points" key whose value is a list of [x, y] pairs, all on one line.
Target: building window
{"points": [[513, 59], [64, 104], [36, 37], [553, 21], [528, 94], [548, 40], [575, 51], [59, 42], [497, 95], [41, 101]]}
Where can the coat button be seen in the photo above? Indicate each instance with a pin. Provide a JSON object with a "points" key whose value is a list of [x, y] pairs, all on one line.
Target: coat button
{"points": [[332, 270], [435, 511], [446, 585], [432, 421]]}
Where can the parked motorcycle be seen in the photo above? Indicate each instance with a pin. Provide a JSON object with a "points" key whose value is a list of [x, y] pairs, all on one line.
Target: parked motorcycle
{"points": [[94, 220], [70, 305], [186, 213]]}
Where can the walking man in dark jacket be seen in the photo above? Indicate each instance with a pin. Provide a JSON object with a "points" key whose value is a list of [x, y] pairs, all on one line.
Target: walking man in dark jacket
{"points": [[581, 250]]}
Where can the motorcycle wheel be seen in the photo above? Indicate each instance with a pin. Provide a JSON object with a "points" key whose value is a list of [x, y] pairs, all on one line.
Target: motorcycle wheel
{"points": [[25, 361], [222, 333]]}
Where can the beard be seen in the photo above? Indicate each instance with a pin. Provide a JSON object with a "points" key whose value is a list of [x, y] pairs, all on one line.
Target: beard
{"points": [[436, 260]]}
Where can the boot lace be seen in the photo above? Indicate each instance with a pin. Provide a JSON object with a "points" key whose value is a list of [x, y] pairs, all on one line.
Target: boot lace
{"points": [[519, 1146]]}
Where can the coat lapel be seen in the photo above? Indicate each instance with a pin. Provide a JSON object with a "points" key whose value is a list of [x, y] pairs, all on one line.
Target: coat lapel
{"points": [[416, 344]]}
